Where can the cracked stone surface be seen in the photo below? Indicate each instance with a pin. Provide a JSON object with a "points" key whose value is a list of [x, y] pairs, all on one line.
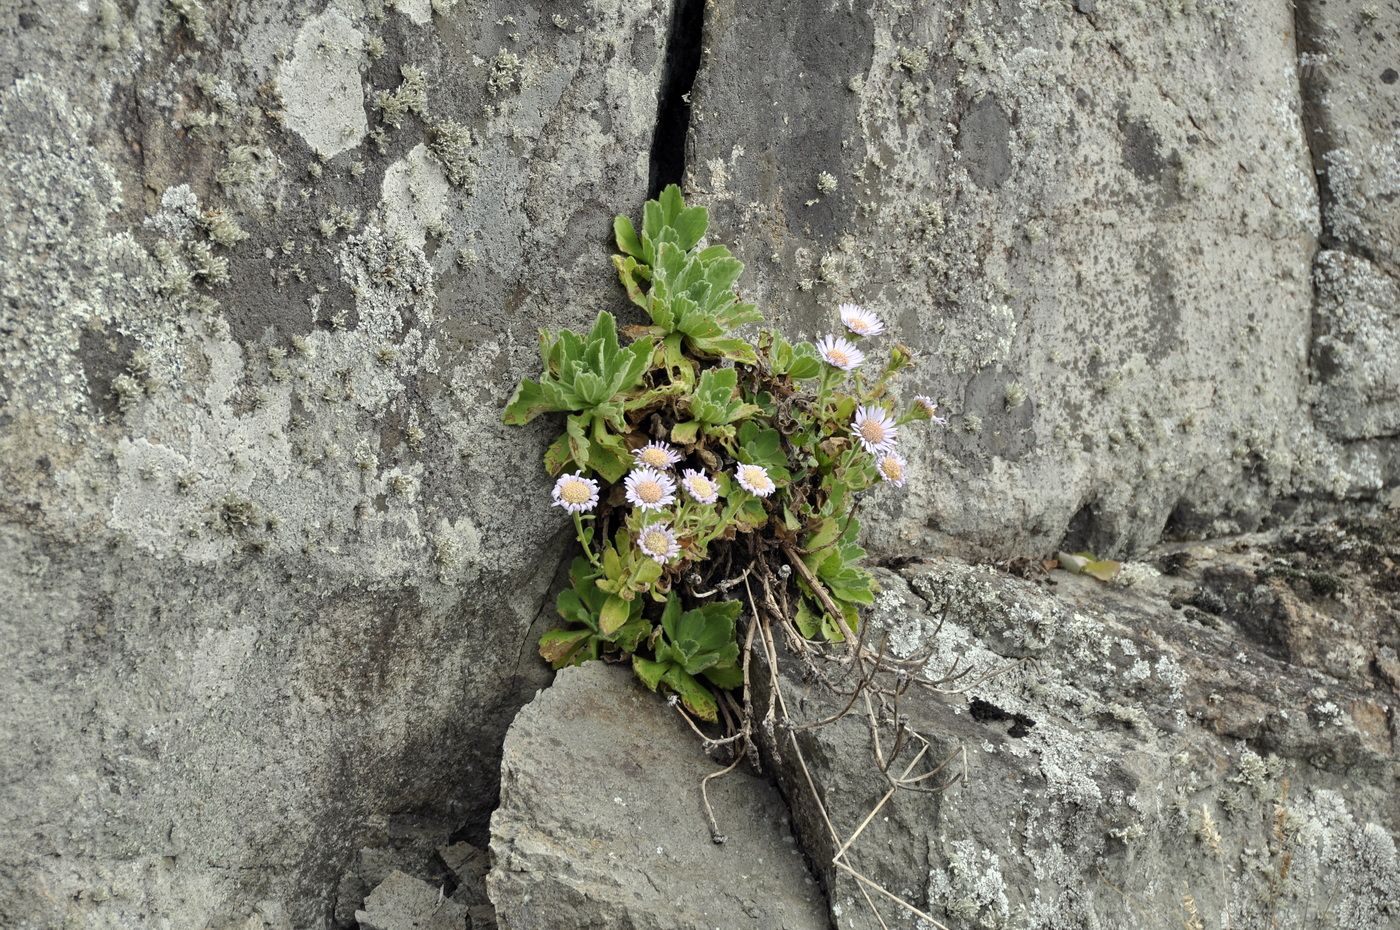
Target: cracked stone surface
{"points": [[601, 825], [273, 568], [255, 478], [1223, 730], [1097, 224]]}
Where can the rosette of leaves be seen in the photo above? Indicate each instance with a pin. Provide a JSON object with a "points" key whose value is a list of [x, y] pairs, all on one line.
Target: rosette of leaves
{"points": [[715, 406], [687, 291], [589, 378], [593, 631], [690, 645]]}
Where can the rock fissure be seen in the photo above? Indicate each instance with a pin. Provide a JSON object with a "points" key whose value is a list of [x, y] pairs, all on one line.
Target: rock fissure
{"points": [[684, 50]]}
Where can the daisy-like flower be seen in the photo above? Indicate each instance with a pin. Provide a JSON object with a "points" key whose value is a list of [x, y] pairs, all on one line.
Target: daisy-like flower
{"points": [[840, 352], [755, 480], [929, 407], [659, 541], [860, 320], [575, 493], [658, 455], [698, 485], [649, 489], [875, 429], [891, 467]]}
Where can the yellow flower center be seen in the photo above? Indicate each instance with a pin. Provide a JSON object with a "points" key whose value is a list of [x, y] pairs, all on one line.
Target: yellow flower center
{"points": [[654, 457], [755, 478], [872, 431], [838, 357], [649, 492], [656, 541], [892, 469], [576, 492], [859, 324], [701, 487]]}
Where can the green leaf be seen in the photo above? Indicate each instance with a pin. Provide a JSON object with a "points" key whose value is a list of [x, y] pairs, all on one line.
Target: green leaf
{"points": [[725, 676], [525, 404], [614, 614], [808, 622], [695, 696], [565, 647], [626, 235], [648, 671], [684, 433]]}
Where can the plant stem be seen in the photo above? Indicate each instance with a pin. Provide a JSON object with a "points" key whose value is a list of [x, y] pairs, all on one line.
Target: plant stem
{"points": [[584, 542]]}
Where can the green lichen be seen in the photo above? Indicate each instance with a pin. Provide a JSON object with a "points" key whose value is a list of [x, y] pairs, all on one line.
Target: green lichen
{"points": [[505, 72], [452, 143], [411, 96]]}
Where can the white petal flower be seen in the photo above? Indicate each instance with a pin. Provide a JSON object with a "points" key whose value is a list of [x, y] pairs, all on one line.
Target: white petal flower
{"points": [[649, 489], [840, 352], [699, 486], [860, 320], [929, 407], [658, 455], [575, 493], [755, 480], [891, 467], [875, 429], [659, 541]]}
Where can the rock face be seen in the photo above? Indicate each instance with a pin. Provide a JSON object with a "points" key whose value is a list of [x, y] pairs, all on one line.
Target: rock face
{"points": [[269, 272], [1211, 747], [601, 823], [1098, 223]]}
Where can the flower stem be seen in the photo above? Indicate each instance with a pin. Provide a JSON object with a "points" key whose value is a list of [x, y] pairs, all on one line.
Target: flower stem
{"points": [[585, 542]]}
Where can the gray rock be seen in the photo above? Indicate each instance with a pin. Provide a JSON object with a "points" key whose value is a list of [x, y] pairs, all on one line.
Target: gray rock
{"points": [[1133, 763], [601, 824], [402, 902], [1113, 216], [270, 560]]}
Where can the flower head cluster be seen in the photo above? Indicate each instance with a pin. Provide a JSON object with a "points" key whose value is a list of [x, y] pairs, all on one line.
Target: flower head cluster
{"points": [[926, 404], [875, 429], [755, 480], [575, 493], [658, 455], [860, 320], [649, 489], [699, 486], [659, 542], [840, 352], [891, 466]]}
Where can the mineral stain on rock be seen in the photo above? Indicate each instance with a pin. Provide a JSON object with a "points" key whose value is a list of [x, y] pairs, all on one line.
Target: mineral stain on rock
{"points": [[984, 139]]}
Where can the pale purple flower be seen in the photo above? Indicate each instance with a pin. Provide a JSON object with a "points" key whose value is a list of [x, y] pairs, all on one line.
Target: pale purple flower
{"points": [[575, 493], [699, 486], [659, 541], [649, 489], [658, 455], [891, 467], [929, 407], [755, 480], [875, 429], [860, 320], [839, 352]]}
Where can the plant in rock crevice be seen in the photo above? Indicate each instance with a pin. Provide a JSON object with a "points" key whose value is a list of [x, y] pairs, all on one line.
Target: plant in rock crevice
{"points": [[691, 455]]}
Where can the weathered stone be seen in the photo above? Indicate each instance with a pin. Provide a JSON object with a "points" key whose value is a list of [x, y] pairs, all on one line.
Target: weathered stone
{"points": [[601, 824], [1097, 231], [1129, 763], [270, 560], [402, 902]]}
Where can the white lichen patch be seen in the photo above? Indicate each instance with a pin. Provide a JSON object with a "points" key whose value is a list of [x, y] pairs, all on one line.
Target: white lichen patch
{"points": [[415, 195], [419, 12], [320, 84]]}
